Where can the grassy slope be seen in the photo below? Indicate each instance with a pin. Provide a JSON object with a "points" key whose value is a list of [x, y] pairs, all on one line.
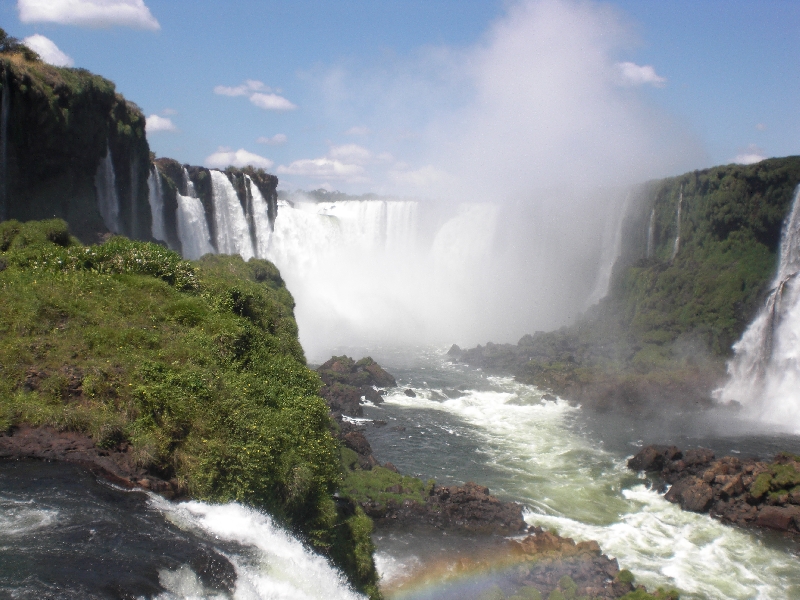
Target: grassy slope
{"points": [[196, 365]]}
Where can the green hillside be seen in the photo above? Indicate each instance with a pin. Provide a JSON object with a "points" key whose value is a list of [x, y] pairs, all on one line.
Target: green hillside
{"points": [[196, 367], [665, 329]]}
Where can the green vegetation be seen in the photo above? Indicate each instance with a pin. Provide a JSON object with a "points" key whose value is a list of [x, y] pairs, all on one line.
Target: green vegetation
{"points": [[665, 329], [381, 485], [195, 366], [62, 122], [780, 480]]}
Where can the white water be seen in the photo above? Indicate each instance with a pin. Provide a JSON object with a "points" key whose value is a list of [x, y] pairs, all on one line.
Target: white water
{"points": [[188, 184], [106, 189], [155, 195], [260, 218], [531, 452], [193, 228], [677, 245], [764, 374], [272, 565], [651, 228], [611, 249], [233, 234]]}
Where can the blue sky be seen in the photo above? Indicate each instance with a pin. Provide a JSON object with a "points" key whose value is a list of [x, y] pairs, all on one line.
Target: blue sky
{"points": [[414, 97]]}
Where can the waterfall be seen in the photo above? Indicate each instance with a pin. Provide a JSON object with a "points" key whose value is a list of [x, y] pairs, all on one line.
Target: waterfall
{"points": [[233, 233], [193, 228], [764, 374], [106, 188], [188, 184], [651, 228], [5, 109], [677, 245], [260, 216], [155, 194], [612, 247]]}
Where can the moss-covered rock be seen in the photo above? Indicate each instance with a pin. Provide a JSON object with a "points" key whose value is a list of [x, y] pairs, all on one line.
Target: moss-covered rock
{"points": [[192, 369]]}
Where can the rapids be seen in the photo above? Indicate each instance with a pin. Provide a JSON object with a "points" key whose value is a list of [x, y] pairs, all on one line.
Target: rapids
{"points": [[569, 469]]}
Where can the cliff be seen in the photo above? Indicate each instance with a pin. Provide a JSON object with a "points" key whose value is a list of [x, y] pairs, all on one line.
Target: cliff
{"points": [[698, 256], [72, 148]]}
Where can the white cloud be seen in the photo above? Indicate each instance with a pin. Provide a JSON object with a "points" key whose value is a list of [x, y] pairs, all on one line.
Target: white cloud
{"points": [[350, 153], [358, 130], [260, 94], [48, 51], [751, 156], [424, 177], [275, 140], [155, 123], [169, 112], [323, 168], [88, 13], [633, 74], [225, 157], [248, 87], [271, 102]]}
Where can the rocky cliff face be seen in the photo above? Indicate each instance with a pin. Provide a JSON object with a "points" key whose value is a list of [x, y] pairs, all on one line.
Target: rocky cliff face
{"points": [[70, 146]]}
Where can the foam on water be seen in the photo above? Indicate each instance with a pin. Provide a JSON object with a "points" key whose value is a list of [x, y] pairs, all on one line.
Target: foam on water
{"points": [[572, 484], [274, 566]]}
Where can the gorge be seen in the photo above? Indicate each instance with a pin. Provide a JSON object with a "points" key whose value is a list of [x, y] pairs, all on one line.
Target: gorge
{"points": [[193, 370]]}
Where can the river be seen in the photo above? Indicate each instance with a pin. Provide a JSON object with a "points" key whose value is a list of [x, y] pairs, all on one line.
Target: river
{"points": [[65, 535]]}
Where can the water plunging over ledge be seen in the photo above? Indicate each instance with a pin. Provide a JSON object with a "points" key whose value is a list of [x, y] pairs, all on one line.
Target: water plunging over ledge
{"points": [[764, 374]]}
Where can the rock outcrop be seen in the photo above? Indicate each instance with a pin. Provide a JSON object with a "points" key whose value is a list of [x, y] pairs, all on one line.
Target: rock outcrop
{"points": [[745, 492], [346, 382], [469, 508], [115, 464]]}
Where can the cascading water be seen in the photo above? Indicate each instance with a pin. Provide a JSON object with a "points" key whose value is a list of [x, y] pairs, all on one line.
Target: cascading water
{"points": [[156, 198], [261, 220], [677, 245], [106, 188], [651, 228], [5, 110], [193, 228], [764, 374], [612, 247], [188, 184], [233, 233]]}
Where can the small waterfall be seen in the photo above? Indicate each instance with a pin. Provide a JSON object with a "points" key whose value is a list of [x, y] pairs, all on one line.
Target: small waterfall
{"points": [[188, 184], [651, 229], [677, 245], [260, 217], [193, 228], [233, 233], [134, 223], [105, 185], [612, 247], [764, 374], [5, 110], [155, 194]]}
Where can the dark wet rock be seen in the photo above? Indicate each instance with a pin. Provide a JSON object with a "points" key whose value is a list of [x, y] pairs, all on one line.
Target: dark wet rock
{"points": [[454, 351], [115, 464], [653, 458], [744, 492], [549, 398], [390, 466], [372, 395], [468, 508], [346, 382], [410, 393]]}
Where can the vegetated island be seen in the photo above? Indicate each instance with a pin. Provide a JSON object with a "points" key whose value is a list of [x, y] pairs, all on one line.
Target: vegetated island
{"points": [[698, 253]]}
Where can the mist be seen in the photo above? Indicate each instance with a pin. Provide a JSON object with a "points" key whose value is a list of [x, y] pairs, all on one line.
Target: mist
{"points": [[520, 151]]}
